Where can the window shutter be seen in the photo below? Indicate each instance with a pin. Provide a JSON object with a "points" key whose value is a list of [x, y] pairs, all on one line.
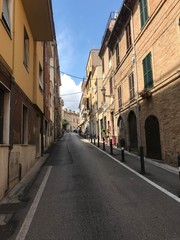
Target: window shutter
{"points": [[147, 69], [143, 12]]}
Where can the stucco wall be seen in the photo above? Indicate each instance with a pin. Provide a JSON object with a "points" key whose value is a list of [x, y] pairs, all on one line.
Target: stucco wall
{"points": [[4, 169]]}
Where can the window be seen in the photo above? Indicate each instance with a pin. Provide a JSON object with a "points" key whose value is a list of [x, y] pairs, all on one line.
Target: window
{"points": [[6, 13], [109, 56], [117, 55], [26, 49], [147, 70], [88, 103], [131, 85], [4, 114], [1, 115], [25, 125], [40, 77], [143, 12], [111, 85], [109, 53], [119, 97], [128, 36], [102, 65]]}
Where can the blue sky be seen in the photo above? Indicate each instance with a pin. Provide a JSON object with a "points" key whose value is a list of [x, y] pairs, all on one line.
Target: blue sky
{"points": [[80, 26]]}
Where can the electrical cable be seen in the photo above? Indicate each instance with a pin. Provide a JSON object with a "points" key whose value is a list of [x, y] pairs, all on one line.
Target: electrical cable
{"points": [[70, 94]]}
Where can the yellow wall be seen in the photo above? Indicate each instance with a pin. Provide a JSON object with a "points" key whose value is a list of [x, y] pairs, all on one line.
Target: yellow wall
{"points": [[38, 98], [6, 43], [27, 78]]}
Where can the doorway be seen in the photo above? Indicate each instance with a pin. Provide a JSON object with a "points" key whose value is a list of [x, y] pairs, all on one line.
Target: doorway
{"points": [[132, 124], [153, 144]]}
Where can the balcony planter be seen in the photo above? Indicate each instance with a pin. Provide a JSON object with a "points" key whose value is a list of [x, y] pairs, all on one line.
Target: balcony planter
{"points": [[145, 93]]}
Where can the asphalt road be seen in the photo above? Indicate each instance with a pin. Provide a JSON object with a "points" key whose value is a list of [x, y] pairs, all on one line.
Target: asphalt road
{"points": [[82, 194]]}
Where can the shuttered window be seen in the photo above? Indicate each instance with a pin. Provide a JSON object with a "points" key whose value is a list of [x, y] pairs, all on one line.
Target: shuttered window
{"points": [[117, 55], [128, 36], [131, 85], [143, 12], [119, 96], [147, 70]]}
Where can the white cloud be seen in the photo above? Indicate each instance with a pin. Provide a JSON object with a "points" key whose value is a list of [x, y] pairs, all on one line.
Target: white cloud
{"points": [[70, 92], [65, 49]]}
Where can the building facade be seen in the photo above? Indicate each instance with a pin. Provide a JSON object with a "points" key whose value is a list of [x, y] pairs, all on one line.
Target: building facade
{"points": [[91, 100], [141, 78], [22, 86], [72, 118]]}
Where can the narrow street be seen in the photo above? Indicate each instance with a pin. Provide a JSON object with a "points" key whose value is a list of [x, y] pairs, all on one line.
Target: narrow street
{"points": [[82, 194]]}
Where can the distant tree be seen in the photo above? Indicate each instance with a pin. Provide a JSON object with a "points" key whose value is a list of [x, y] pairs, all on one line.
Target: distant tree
{"points": [[65, 123]]}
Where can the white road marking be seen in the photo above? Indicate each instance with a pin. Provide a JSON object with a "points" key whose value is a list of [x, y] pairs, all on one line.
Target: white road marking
{"points": [[27, 222], [142, 177]]}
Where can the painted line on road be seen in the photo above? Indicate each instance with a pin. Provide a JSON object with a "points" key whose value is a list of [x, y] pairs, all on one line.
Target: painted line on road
{"points": [[177, 199], [27, 222]]}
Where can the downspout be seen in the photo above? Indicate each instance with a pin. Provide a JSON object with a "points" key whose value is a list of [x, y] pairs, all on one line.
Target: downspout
{"points": [[11, 114], [44, 96]]}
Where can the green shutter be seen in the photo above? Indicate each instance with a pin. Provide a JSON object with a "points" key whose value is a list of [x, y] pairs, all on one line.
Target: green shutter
{"points": [[147, 69], [143, 12]]}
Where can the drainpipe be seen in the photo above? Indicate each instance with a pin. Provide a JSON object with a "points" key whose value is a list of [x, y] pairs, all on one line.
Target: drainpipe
{"points": [[11, 114], [137, 93]]}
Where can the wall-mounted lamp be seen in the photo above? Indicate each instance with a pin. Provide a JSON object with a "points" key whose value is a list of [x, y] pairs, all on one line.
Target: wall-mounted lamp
{"points": [[103, 90]]}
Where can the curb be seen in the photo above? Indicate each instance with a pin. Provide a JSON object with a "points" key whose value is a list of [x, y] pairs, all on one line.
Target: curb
{"points": [[19, 190], [154, 162]]}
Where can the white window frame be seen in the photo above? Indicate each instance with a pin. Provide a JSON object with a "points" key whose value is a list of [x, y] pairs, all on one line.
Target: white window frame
{"points": [[41, 82], [26, 49], [6, 114], [7, 9]]}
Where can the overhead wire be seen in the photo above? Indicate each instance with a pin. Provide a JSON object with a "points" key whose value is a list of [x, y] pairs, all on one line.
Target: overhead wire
{"points": [[83, 78]]}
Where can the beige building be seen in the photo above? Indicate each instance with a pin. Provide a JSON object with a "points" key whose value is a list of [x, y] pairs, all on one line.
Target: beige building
{"points": [[140, 56], [147, 77], [22, 86], [91, 101], [108, 87], [72, 118]]}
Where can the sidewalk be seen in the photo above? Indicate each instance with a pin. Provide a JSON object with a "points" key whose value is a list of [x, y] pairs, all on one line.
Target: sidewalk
{"points": [[14, 198], [164, 175]]}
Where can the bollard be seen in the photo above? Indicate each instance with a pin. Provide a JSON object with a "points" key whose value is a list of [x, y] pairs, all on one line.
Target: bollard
{"points": [[94, 141], [103, 143], [91, 138], [142, 160], [122, 155], [20, 172], [178, 157], [111, 147], [98, 142]]}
